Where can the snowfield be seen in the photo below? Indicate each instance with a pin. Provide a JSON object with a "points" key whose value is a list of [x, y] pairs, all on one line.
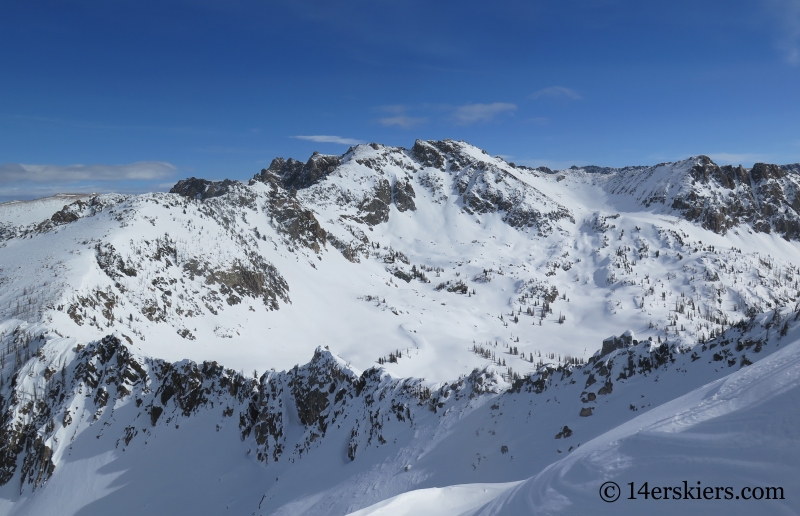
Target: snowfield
{"points": [[391, 331]]}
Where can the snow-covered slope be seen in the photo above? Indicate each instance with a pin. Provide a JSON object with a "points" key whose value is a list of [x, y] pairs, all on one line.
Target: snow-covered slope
{"points": [[22, 213], [454, 305], [728, 446]]}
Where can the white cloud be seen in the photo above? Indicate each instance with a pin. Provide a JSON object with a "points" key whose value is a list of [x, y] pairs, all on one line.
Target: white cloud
{"points": [[558, 92], [406, 122], [143, 170], [323, 138], [471, 113]]}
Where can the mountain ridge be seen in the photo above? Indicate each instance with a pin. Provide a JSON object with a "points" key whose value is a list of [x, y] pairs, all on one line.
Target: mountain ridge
{"points": [[429, 285]]}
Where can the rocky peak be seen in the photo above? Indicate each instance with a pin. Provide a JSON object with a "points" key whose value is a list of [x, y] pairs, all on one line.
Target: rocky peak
{"points": [[762, 171], [792, 169], [196, 188], [705, 171], [437, 154], [298, 175]]}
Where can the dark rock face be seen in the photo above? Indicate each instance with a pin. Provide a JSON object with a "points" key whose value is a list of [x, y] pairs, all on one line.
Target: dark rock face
{"points": [[437, 154], [289, 216], [374, 209], [767, 198], [66, 215], [591, 169], [110, 261], [613, 343], [297, 175], [195, 188], [428, 155], [255, 278], [762, 171], [403, 196], [487, 188]]}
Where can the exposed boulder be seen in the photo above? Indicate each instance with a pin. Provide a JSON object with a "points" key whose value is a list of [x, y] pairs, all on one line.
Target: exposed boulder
{"points": [[564, 433]]}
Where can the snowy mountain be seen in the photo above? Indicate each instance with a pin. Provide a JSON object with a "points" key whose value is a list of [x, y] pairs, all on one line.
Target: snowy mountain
{"points": [[333, 333]]}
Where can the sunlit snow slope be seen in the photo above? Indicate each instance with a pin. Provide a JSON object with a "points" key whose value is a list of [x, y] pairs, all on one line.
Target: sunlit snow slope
{"points": [[399, 322], [738, 433], [423, 251]]}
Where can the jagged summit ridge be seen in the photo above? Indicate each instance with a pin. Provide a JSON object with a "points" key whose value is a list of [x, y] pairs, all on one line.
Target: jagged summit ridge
{"points": [[765, 198]]}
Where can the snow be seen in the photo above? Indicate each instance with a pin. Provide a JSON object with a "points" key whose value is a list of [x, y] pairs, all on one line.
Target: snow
{"points": [[620, 267], [447, 501], [739, 431], [22, 213]]}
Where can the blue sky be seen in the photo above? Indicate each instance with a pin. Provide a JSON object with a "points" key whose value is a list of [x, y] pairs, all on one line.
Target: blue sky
{"points": [[133, 95]]}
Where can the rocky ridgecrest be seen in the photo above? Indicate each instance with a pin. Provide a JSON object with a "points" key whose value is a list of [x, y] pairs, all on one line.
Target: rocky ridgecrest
{"points": [[366, 181], [296, 174], [201, 188], [765, 198], [792, 169], [490, 185], [369, 179], [105, 389]]}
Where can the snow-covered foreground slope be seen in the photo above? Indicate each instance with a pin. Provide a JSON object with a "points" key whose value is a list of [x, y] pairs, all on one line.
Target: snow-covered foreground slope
{"points": [[456, 310], [99, 429], [738, 432], [729, 446]]}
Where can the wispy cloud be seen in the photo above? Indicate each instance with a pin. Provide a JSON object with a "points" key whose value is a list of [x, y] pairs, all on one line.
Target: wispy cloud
{"points": [[406, 122], [471, 113], [787, 12], [324, 138], [140, 171], [556, 92], [397, 115]]}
